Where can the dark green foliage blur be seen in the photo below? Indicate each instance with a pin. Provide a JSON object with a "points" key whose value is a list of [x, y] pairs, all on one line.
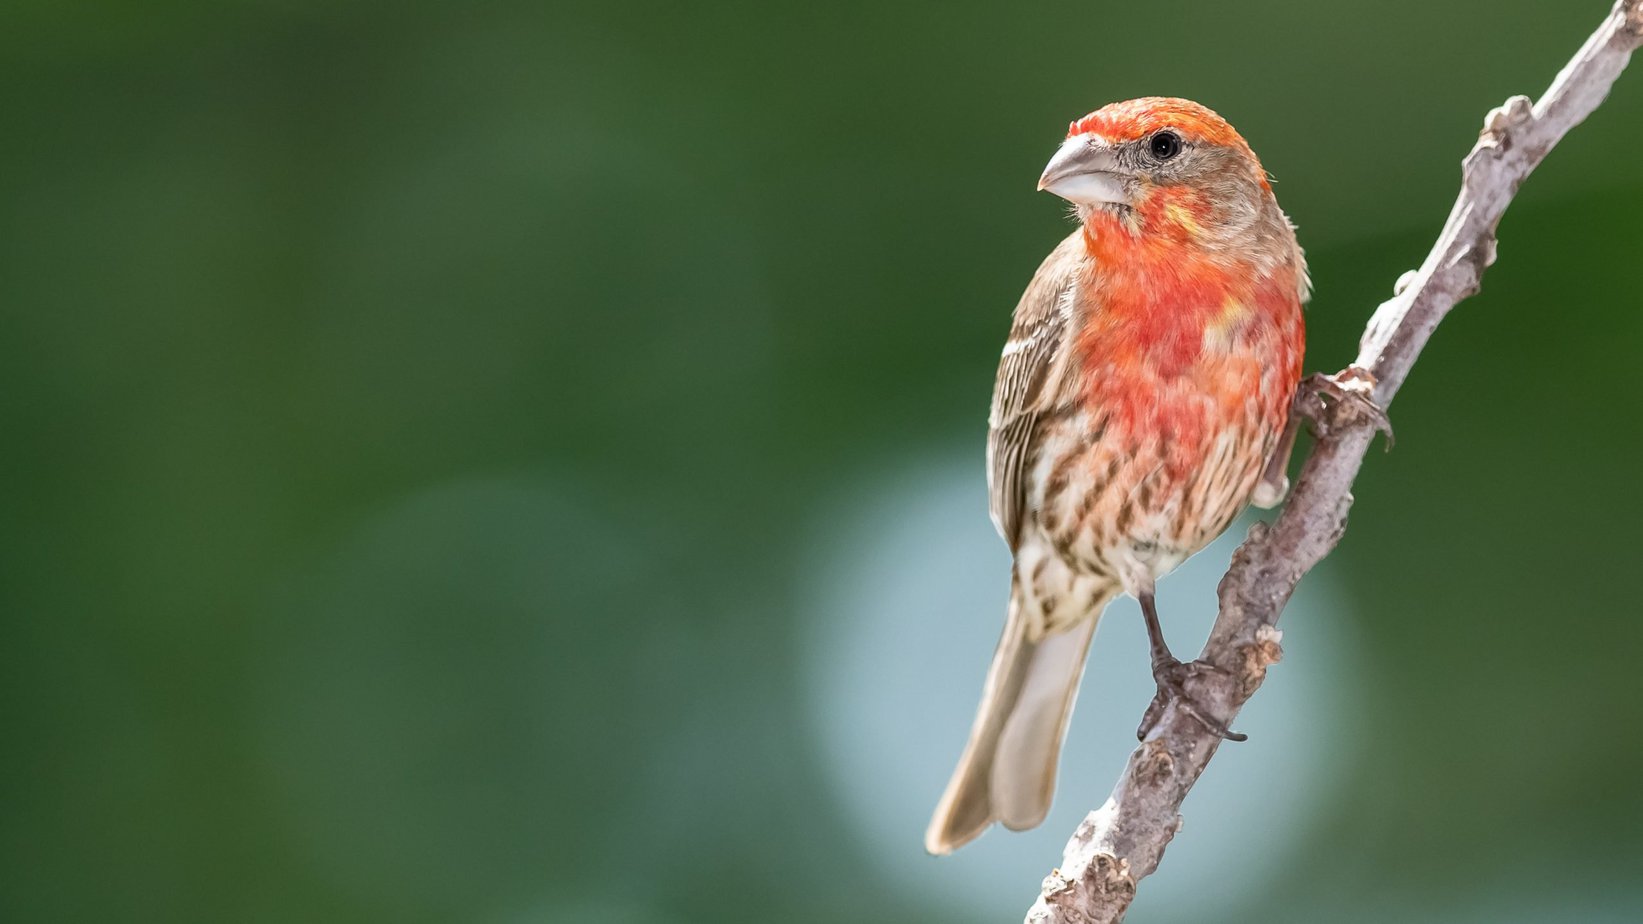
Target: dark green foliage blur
{"points": [[417, 418]]}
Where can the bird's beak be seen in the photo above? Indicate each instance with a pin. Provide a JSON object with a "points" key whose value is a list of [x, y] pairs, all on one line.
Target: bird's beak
{"points": [[1085, 172]]}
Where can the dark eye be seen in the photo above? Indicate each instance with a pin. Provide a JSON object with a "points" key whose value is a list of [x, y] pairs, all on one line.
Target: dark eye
{"points": [[1165, 145]]}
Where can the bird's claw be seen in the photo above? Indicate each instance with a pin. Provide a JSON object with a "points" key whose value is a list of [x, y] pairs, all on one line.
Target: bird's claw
{"points": [[1328, 402], [1171, 677]]}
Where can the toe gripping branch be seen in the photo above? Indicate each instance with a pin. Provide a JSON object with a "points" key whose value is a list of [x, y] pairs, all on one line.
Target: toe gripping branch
{"points": [[1328, 403], [1172, 677]]}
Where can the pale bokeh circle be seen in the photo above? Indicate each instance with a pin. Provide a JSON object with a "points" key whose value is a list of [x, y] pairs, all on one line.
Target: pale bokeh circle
{"points": [[909, 595]]}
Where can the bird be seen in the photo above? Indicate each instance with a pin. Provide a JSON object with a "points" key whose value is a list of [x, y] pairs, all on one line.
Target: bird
{"points": [[1145, 386]]}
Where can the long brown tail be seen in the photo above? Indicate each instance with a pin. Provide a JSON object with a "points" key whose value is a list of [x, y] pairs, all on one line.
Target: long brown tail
{"points": [[1007, 773]]}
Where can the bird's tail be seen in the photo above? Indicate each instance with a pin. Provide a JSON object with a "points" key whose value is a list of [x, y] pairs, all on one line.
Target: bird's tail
{"points": [[1007, 773]]}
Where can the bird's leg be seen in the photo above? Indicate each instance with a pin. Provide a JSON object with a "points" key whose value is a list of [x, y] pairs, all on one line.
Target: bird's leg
{"points": [[1171, 676], [1327, 401], [1274, 483], [1320, 400]]}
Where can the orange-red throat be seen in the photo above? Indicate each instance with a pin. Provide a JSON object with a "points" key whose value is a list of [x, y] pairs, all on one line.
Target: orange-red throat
{"points": [[1184, 342], [1181, 334], [1191, 315]]}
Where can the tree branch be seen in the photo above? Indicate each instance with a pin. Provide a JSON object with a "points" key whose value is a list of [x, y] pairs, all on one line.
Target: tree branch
{"points": [[1122, 842]]}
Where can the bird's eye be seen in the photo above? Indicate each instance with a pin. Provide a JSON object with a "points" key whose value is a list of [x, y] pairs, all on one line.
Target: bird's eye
{"points": [[1165, 145]]}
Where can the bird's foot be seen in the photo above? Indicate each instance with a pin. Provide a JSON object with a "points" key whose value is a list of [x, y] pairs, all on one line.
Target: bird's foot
{"points": [[1327, 402], [1172, 676]]}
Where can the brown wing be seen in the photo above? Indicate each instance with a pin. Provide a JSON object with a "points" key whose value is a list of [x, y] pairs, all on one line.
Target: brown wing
{"points": [[1031, 377]]}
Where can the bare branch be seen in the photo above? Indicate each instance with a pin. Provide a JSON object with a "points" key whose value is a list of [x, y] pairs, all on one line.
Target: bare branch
{"points": [[1122, 842]]}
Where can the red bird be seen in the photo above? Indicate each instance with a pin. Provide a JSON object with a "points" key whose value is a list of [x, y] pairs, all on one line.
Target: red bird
{"points": [[1146, 383]]}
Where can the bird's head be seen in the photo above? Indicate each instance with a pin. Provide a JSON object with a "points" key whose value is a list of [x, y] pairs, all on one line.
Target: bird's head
{"points": [[1161, 166]]}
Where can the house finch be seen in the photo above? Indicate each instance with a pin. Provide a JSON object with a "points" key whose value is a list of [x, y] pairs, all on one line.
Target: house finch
{"points": [[1146, 383]]}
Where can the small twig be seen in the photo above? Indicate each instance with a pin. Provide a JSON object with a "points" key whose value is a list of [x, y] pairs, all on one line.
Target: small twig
{"points": [[1122, 842]]}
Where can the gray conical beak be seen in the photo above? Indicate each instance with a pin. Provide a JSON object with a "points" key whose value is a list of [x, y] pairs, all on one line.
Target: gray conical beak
{"points": [[1085, 172]]}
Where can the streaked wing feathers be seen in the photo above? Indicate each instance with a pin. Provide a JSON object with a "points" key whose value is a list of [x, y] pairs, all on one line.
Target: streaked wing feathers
{"points": [[1032, 380]]}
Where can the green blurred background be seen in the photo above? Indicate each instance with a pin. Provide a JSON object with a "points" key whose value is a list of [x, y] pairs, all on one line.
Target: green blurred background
{"points": [[508, 462]]}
